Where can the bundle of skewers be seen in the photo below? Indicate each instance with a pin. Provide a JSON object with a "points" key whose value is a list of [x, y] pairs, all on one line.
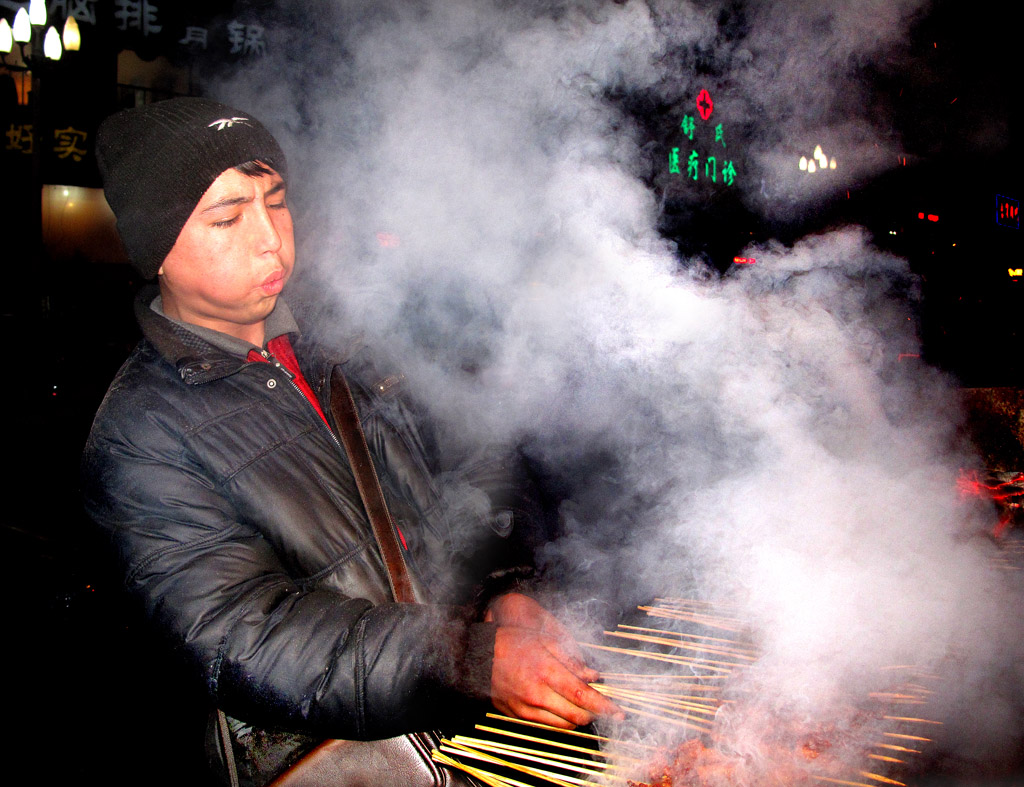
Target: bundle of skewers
{"points": [[1010, 556], [686, 656]]}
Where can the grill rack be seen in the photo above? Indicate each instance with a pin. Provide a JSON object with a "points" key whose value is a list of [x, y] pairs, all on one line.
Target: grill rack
{"points": [[699, 647]]}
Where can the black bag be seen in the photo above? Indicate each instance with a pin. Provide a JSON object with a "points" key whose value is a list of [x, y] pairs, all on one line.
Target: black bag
{"points": [[404, 760]]}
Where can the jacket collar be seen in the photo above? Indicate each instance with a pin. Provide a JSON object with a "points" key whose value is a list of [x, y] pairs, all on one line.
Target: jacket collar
{"points": [[200, 354]]}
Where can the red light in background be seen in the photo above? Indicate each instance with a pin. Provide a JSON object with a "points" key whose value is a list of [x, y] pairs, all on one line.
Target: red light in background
{"points": [[704, 104], [920, 215], [932, 217], [743, 260], [1007, 211], [1006, 494]]}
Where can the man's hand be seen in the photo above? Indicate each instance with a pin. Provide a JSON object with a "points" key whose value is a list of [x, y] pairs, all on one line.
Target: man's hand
{"points": [[538, 672], [515, 609]]}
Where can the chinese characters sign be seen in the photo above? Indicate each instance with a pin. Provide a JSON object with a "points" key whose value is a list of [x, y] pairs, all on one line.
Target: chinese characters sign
{"points": [[19, 138], [84, 11], [713, 165], [1007, 211], [240, 38], [137, 15], [169, 27], [166, 27], [68, 143]]}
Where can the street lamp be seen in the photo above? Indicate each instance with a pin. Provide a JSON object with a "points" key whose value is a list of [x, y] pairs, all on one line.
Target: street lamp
{"points": [[39, 45], [818, 161], [6, 37], [28, 27], [71, 36]]}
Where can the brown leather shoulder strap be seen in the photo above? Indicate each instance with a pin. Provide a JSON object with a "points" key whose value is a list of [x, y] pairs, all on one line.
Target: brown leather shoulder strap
{"points": [[343, 407]]}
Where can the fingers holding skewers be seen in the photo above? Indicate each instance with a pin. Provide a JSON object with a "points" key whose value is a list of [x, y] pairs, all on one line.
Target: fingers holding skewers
{"points": [[535, 677]]}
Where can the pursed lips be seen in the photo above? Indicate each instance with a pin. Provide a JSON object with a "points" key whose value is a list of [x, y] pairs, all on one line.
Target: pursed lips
{"points": [[274, 283]]}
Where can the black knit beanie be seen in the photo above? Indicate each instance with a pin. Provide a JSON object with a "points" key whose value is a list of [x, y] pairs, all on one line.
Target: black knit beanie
{"points": [[158, 160]]}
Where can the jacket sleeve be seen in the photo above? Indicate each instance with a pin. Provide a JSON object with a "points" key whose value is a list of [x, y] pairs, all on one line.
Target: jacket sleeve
{"points": [[477, 519], [270, 650]]}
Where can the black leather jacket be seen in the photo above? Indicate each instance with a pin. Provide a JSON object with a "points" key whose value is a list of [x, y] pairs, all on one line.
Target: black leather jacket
{"points": [[239, 527]]}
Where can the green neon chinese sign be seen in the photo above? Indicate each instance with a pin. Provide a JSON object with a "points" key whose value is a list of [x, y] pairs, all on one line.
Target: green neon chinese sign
{"points": [[712, 166]]}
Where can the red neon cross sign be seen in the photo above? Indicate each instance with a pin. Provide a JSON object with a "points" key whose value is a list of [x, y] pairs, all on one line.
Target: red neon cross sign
{"points": [[704, 104]]}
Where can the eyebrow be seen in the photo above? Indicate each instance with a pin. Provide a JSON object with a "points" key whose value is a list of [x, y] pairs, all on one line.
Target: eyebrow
{"points": [[229, 202]]}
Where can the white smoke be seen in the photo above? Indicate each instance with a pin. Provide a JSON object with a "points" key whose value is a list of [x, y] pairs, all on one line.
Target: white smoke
{"points": [[471, 201]]}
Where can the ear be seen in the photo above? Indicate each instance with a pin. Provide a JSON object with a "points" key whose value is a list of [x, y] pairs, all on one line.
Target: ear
{"points": [[160, 271]]}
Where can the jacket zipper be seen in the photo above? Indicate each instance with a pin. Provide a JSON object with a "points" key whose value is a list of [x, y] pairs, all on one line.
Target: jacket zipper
{"points": [[291, 379], [269, 356]]}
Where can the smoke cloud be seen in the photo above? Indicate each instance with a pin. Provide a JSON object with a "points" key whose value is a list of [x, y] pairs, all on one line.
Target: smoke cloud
{"points": [[475, 201]]}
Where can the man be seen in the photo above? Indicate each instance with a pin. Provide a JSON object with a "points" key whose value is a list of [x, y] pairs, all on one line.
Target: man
{"points": [[214, 466]]}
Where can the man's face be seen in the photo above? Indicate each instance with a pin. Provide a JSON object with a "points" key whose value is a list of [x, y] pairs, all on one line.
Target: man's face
{"points": [[232, 257]]}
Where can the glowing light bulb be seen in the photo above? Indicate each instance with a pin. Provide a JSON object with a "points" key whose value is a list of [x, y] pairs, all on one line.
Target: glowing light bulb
{"points": [[72, 35], [37, 12], [832, 164], [811, 167], [51, 44], [22, 27], [803, 163], [6, 39], [818, 153]]}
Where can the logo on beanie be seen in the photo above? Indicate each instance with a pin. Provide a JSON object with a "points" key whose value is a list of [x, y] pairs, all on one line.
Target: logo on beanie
{"points": [[224, 123]]}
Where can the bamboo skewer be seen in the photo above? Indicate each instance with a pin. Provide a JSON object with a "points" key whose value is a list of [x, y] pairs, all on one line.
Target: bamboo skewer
{"points": [[534, 755], [905, 737], [492, 779], [554, 744], [884, 758], [491, 760], [698, 603], [661, 706], [554, 778], [646, 678], [577, 733], [693, 619], [700, 701], [471, 741], [706, 609], [680, 722], [659, 657], [911, 718], [648, 697], [712, 621], [721, 642], [883, 779], [682, 646]]}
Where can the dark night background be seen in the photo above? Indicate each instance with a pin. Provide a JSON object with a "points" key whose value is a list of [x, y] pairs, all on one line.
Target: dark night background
{"points": [[91, 696]]}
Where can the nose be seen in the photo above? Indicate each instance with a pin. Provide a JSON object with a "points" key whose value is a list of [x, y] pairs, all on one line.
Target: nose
{"points": [[268, 234]]}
